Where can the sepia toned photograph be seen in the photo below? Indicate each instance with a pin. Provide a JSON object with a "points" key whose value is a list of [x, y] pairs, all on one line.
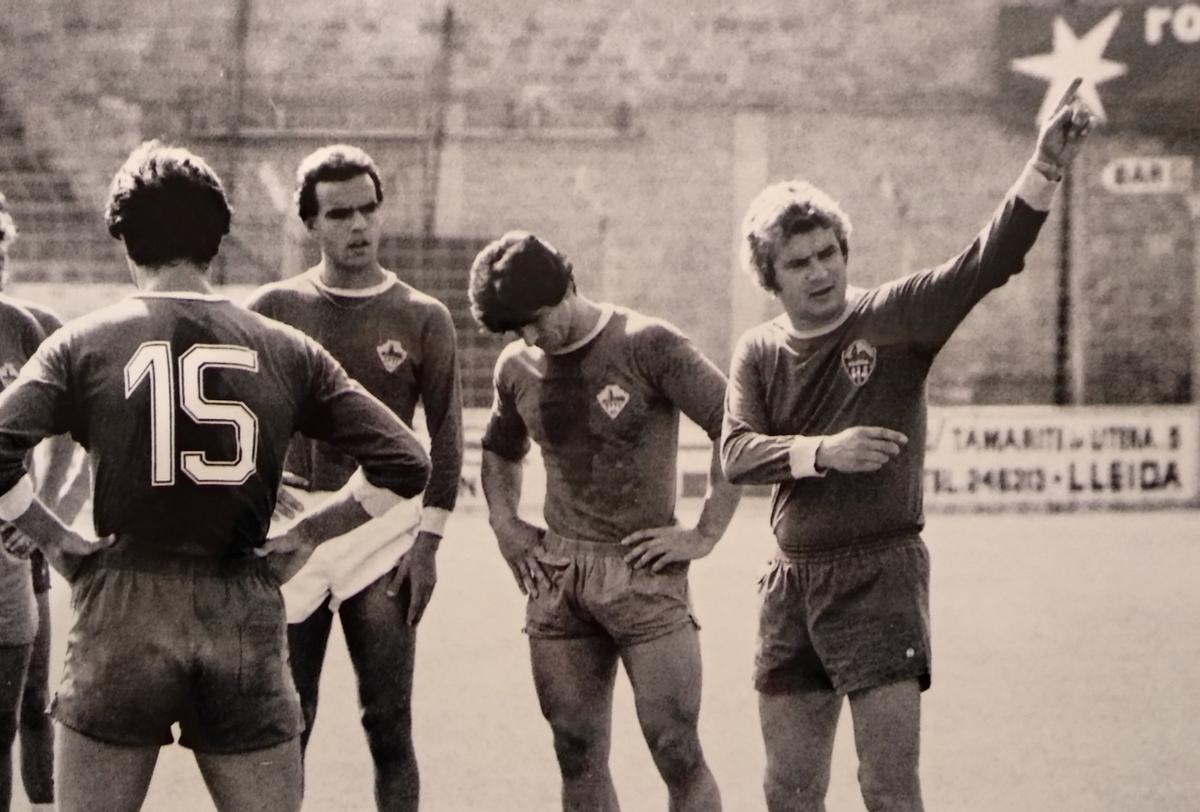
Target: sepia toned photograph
{"points": [[587, 406]]}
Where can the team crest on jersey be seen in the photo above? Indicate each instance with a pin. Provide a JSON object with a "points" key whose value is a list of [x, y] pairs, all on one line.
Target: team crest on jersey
{"points": [[612, 400], [391, 354], [8, 373], [859, 361]]}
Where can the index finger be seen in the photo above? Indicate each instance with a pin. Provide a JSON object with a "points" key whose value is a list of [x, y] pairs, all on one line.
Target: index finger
{"points": [[880, 433], [1069, 95]]}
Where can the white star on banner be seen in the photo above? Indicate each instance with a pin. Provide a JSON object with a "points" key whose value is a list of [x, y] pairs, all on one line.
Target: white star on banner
{"points": [[1075, 56]]}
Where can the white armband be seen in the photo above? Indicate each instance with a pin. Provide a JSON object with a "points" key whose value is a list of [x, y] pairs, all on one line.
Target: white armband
{"points": [[1035, 188], [18, 499], [374, 500], [433, 520], [802, 457]]}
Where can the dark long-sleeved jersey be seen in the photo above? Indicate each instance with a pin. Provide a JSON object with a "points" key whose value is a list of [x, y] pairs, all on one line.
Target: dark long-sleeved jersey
{"points": [[186, 404], [867, 369], [400, 345]]}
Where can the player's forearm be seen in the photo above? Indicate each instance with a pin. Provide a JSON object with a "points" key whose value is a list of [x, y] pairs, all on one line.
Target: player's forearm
{"points": [[753, 458], [501, 480], [446, 456], [52, 478], [720, 502]]}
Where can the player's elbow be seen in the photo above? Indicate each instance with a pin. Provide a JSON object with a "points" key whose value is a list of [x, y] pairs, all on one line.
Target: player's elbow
{"points": [[733, 463], [404, 477]]}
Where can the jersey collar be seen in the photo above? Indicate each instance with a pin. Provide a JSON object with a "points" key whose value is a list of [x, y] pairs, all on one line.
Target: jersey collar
{"points": [[853, 295], [181, 294], [606, 314], [389, 279]]}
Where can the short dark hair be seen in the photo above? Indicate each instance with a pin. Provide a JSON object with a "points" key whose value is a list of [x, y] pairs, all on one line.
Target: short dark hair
{"points": [[332, 162], [514, 277], [167, 204], [783, 210]]}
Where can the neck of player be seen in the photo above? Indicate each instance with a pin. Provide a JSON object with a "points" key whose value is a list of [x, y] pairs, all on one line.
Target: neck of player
{"points": [[180, 276], [350, 277]]}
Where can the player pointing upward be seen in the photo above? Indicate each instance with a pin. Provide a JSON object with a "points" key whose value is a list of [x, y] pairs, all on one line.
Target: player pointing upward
{"points": [[186, 403], [827, 403]]}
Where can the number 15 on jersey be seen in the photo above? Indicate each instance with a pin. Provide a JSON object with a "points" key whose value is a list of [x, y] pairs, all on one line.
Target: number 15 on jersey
{"points": [[153, 361]]}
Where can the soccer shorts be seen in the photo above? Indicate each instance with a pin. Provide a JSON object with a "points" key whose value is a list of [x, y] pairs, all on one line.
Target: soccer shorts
{"points": [[344, 566], [159, 638], [18, 611], [845, 620], [595, 592]]}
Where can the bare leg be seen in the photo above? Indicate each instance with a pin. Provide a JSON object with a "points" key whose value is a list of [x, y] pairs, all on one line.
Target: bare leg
{"points": [[574, 681], [37, 729], [266, 780], [666, 677], [96, 775], [798, 731], [887, 735]]}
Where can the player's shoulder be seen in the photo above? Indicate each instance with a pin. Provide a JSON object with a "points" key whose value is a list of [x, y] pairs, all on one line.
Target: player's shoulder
{"points": [[644, 329], [47, 318], [417, 301], [17, 314], [297, 288]]}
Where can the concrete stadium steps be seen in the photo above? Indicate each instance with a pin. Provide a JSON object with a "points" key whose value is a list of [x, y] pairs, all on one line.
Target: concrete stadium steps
{"points": [[61, 238]]}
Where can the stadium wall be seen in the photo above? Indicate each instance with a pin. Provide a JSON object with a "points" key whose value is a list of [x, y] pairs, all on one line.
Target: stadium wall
{"points": [[631, 135]]}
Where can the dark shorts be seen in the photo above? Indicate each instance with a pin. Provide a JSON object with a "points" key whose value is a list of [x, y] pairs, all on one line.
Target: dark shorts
{"points": [[159, 638], [41, 572], [845, 620], [595, 592]]}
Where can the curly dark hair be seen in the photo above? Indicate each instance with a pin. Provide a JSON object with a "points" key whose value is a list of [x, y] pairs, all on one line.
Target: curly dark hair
{"points": [[514, 277], [167, 205], [333, 162]]}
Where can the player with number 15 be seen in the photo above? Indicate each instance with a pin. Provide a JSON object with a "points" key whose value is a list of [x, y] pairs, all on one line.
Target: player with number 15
{"points": [[186, 403]]}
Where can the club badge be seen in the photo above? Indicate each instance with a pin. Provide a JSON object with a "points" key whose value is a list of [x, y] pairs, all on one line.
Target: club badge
{"points": [[8, 373], [612, 400], [391, 354], [859, 361]]}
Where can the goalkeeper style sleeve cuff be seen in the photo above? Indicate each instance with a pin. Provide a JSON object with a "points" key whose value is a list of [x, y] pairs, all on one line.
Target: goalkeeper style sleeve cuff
{"points": [[1035, 188], [433, 520], [374, 500], [18, 499], [802, 456]]}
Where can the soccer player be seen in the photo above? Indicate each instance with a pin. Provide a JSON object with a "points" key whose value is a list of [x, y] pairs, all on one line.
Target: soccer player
{"points": [[599, 388], [400, 345], [36, 730], [186, 403], [827, 402]]}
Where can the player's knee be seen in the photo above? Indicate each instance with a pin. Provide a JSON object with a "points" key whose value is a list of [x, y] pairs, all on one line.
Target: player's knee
{"points": [[797, 789], [676, 752], [894, 787], [578, 751]]}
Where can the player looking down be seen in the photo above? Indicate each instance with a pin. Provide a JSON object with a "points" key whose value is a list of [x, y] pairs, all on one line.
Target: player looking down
{"points": [[599, 388]]}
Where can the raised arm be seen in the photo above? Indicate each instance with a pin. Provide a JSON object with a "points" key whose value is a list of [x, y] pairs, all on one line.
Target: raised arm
{"points": [[933, 303]]}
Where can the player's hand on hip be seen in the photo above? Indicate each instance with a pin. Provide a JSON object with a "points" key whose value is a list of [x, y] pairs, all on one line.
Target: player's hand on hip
{"points": [[518, 541], [860, 449], [1062, 134], [419, 566], [287, 505], [14, 541], [286, 553], [656, 547]]}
